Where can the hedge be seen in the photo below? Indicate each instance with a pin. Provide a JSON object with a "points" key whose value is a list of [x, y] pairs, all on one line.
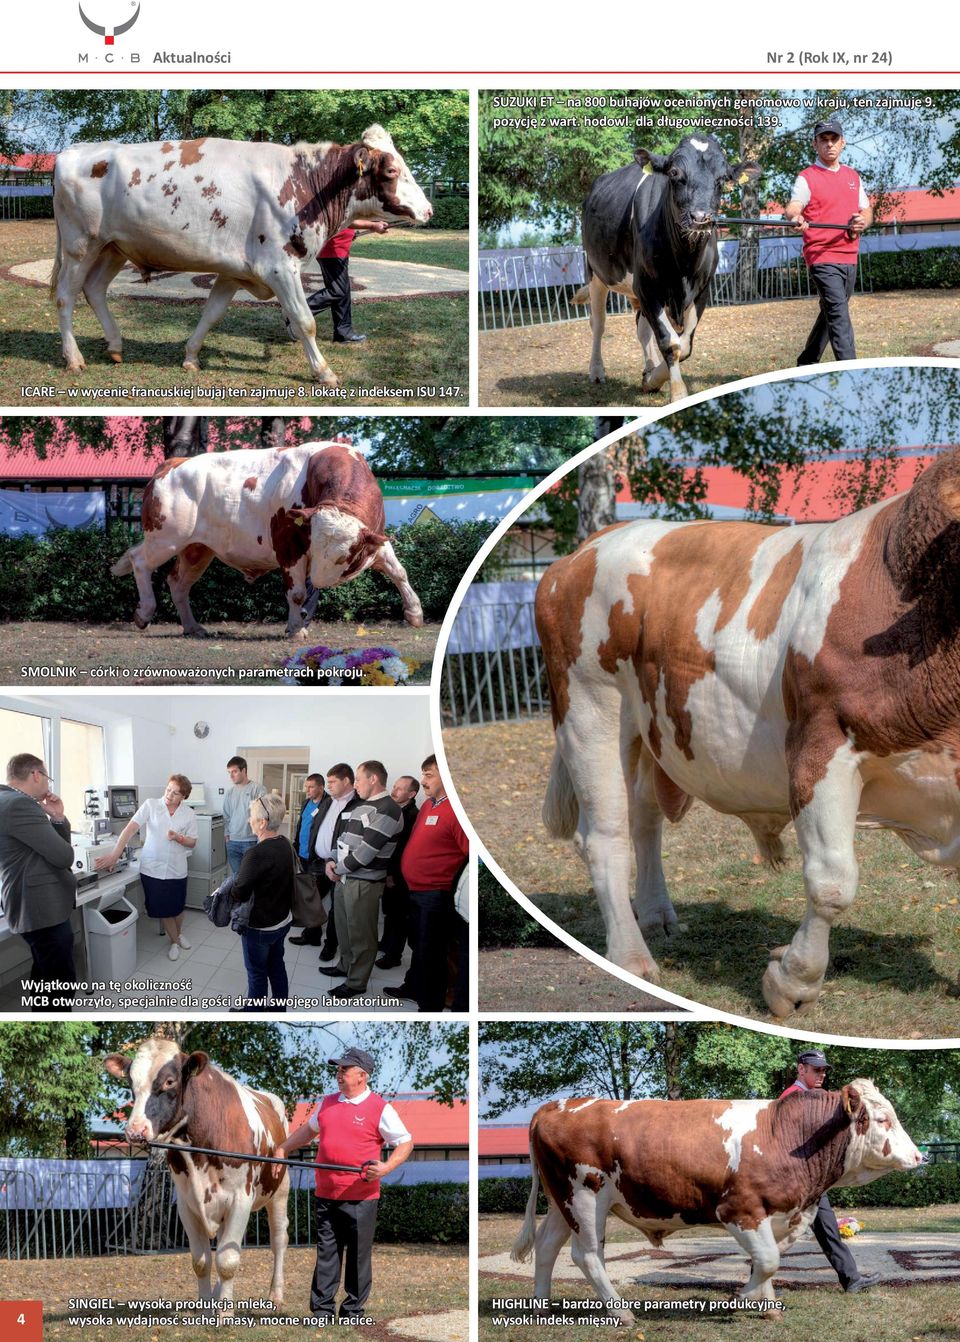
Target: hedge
{"points": [[431, 1213], [450, 212], [930, 1187], [65, 575], [936, 268], [502, 921]]}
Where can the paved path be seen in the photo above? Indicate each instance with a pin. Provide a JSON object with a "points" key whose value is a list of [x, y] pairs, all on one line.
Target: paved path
{"points": [[370, 279], [451, 1326], [717, 1261]]}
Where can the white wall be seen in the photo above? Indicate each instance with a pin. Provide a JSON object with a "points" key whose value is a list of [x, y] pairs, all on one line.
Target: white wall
{"points": [[150, 736]]}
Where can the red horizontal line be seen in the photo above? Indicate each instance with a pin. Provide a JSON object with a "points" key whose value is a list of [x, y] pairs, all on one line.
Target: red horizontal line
{"points": [[787, 71]]}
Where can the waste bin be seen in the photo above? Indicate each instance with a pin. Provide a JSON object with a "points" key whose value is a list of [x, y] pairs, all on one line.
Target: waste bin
{"points": [[112, 937]]}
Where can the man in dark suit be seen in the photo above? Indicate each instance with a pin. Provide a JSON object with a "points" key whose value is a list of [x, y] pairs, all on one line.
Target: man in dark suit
{"points": [[396, 895], [314, 808], [37, 886]]}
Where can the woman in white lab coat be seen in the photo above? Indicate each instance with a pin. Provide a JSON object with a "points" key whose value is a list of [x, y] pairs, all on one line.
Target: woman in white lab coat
{"points": [[169, 832]]}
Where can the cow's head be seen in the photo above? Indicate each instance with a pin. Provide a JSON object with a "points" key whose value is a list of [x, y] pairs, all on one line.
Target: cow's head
{"points": [[340, 545], [878, 1142], [697, 174], [386, 186], [158, 1074]]}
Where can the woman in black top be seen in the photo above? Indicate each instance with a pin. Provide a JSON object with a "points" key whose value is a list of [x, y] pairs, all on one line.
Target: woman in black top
{"points": [[266, 873]]}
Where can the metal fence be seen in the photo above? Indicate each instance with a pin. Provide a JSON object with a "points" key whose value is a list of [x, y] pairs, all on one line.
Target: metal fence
{"points": [[536, 286], [19, 202], [494, 669], [113, 1211]]}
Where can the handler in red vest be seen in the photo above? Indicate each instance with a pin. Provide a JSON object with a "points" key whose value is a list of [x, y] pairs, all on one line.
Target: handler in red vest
{"points": [[349, 1128], [828, 191], [334, 258]]}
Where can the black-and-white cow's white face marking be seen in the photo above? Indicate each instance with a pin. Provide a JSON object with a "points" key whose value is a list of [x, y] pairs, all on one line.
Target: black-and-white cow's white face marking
{"points": [[698, 173], [157, 1074]]}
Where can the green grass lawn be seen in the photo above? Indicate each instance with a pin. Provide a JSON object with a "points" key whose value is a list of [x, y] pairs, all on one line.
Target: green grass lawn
{"points": [[425, 246]]}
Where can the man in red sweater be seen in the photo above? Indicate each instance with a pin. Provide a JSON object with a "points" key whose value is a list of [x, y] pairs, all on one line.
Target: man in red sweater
{"points": [[432, 861], [811, 1075], [349, 1128], [334, 258], [825, 192]]}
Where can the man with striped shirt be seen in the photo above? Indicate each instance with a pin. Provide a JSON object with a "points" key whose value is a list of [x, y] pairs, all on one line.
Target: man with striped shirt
{"points": [[359, 872]]}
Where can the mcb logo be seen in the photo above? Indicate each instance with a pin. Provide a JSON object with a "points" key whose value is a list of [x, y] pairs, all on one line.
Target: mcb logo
{"points": [[110, 31]]}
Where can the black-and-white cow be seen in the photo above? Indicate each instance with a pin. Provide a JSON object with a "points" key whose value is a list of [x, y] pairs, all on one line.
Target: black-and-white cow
{"points": [[648, 233]]}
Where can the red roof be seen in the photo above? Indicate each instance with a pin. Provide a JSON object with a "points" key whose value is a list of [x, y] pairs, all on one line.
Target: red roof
{"points": [[29, 162], [808, 495], [429, 1122], [78, 463], [503, 1139], [917, 206]]}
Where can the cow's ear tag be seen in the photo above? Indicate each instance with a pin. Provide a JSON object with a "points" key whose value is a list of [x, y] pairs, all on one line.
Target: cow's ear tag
{"points": [[727, 187], [743, 179], [647, 170], [360, 167]]}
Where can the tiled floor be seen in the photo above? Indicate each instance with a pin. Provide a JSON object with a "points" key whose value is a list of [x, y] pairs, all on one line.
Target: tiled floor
{"points": [[211, 977]]}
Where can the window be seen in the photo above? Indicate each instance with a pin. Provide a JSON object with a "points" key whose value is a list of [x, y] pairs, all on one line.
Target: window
{"points": [[81, 767], [23, 733]]}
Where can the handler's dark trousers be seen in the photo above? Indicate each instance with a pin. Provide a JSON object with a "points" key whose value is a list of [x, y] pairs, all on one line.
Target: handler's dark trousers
{"points": [[335, 294], [343, 1229], [431, 920], [835, 285], [52, 951], [828, 1236]]}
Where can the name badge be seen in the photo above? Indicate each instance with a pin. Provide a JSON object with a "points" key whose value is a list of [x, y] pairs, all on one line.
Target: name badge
{"points": [[431, 820]]}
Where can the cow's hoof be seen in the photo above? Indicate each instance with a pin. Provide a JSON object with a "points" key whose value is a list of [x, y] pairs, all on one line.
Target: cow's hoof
{"points": [[598, 375], [786, 996], [139, 620], [643, 967], [331, 381], [115, 356], [195, 631], [191, 365], [414, 617], [76, 367]]}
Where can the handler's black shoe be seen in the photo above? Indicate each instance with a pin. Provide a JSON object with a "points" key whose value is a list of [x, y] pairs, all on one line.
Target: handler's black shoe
{"points": [[349, 338], [862, 1283], [399, 990], [334, 972], [387, 962], [343, 994]]}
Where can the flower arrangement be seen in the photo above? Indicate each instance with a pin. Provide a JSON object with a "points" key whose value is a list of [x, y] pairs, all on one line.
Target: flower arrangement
{"points": [[849, 1226], [359, 666]]}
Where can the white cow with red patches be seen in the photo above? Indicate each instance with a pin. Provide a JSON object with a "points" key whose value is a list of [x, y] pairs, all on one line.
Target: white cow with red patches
{"points": [[184, 1098], [315, 510], [254, 214], [809, 673]]}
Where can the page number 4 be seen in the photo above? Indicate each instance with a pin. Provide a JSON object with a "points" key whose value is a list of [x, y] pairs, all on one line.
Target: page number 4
{"points": [[21, 1320]]}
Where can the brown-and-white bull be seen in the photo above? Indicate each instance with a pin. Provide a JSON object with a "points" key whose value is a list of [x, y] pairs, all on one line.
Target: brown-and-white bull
{"points": [[756, 1167], [253, 214], [809, 673], [180, 1097], [311, 510]]}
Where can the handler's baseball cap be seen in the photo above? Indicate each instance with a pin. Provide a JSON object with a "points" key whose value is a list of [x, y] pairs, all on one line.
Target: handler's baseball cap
{"points": [[828, 128], [812, 1057], [355, 1057]]}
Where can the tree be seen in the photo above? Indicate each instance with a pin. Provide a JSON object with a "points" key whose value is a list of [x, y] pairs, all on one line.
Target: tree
{"points": [[49, 1085], [430, 126], [597, 484]]}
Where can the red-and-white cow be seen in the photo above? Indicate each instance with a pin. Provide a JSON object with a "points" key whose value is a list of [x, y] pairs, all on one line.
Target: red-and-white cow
{"points": [[808, 672], [314, 509], [254, 214], [758, 1167], [177, 1097]]}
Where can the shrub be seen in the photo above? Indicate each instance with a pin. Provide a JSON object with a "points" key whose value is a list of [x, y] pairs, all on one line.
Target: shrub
{"points": [[502, 920], [450, 212], [65, 575], [936, 268], [507, 1195], [424, 1213]]}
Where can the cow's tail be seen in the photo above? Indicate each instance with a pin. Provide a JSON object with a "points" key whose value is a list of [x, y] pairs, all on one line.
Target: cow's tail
{"points": [[55, 273], [523, 1244], [561, 810]]}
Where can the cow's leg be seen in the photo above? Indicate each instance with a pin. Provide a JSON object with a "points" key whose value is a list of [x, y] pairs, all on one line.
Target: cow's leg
{"points": [[277, 1220], [74, 270], [295, 585], [552, 1234], [655, 370], [386, 562], [764, 1253], [826, 815], [589, 1210], [690, 318], [589, 744], [670, 347], [221, 295], [136, 562], [109, 264], [654, 911], [227, 1252], [598, 320], [201, 1254], [293, 303], [191, 564]]}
